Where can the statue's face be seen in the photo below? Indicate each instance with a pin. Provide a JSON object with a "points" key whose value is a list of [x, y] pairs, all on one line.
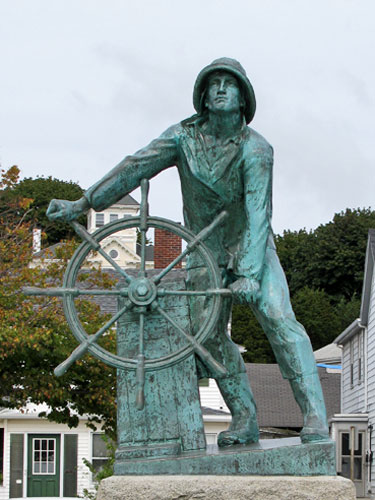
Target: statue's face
{"points": [[223, 92]]}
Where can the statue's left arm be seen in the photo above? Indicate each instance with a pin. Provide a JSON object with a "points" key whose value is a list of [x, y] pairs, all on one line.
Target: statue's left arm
{"points": [[257, 178]]}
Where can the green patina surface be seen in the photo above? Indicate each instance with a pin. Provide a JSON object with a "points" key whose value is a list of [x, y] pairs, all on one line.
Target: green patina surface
{"points": [[168, 338], [272, 457]]}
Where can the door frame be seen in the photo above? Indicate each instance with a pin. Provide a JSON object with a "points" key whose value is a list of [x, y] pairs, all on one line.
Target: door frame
{"points": [[58, 457], [352, 424]]}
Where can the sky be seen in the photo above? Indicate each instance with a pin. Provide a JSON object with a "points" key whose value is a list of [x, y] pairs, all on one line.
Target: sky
{"points": [[83, 83]]}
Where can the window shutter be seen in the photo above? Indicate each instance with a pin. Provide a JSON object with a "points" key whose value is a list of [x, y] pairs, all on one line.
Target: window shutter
{"points": [[70, 465], [16, 466]]}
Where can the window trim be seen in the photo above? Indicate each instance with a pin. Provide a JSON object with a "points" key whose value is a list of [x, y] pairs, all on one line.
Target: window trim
{"points": [[47, 450], [351, 347]]}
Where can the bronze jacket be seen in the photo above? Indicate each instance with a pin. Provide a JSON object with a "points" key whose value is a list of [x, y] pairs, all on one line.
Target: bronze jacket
{"points": [[240, 182]]}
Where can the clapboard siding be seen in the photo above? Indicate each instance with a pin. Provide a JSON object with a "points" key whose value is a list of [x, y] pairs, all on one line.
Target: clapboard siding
{"points": [[27, 426], [371, 367], [353, 395], [211, 397], [371, 350]]}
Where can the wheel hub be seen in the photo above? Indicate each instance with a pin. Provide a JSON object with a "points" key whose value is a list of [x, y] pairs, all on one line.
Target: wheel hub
{"points": [[142, 292]]}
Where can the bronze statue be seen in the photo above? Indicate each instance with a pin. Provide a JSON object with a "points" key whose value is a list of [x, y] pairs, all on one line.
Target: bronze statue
{"points": [[225, 165]]}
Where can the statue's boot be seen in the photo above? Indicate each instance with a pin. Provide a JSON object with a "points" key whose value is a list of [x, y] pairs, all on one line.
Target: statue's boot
{"points": [[308, 393], [237, 395]]}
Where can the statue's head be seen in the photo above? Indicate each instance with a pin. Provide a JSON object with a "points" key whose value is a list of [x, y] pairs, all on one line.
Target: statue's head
{"points": [[234, 68]]}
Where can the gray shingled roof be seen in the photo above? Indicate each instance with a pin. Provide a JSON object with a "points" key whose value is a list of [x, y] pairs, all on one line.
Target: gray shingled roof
{"points": [[149, 252], [127, 200], [49, 252], [274, 398]]}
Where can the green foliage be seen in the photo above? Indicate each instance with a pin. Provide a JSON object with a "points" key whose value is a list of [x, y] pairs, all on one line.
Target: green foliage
{"points": [[330, 258], [314, 309], [40, 191], [34, 335], [247, 332], [103, 472]]}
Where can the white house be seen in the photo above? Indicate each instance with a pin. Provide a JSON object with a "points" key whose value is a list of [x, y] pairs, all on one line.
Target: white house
{"points": [[353, 427], [45, 459], [42, 458], [122, 246]]}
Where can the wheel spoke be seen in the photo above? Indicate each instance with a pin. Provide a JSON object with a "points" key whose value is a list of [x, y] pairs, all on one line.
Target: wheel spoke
{"points": [[84, 346], [81, 231], [196, 293], [191, 246], [140, 371], [217, 368], [143, 224], [61, 292]]}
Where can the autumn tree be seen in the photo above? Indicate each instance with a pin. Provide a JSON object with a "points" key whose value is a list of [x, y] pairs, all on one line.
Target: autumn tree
{"points": [[34, 335]]}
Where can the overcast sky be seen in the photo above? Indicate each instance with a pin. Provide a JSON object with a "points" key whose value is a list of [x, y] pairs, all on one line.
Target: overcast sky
{"points": [[83, 83]]}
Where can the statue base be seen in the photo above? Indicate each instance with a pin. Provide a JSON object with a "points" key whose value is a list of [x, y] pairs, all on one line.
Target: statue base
{"points": [[269, 457], [226, 488]]}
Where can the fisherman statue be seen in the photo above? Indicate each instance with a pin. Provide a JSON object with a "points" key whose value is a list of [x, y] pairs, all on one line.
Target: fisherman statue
{"points": [[223, 164]]}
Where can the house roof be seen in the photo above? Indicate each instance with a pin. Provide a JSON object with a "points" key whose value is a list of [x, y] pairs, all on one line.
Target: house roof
{"points": [[274, 398], [362, 321], [330, 353], [369, 269], [48, 251], [127, 200], [149, 252]]}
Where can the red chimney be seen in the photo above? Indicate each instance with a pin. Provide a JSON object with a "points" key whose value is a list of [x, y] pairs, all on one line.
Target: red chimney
{"points": [[167, 246]]}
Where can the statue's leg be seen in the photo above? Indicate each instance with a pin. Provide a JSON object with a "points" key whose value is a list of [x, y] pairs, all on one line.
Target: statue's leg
{"points": [[234, 387], [292, 348]]}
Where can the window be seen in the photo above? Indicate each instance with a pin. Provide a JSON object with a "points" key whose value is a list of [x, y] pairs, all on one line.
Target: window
{"points": [[113, 217], [351, 362], [360, 353], [99, 220], [44, 456], [100, 451], [113, 253], [351, 463]]}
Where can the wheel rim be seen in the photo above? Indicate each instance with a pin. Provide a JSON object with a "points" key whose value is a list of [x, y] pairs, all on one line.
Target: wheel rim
{"points": [[128, 363]]}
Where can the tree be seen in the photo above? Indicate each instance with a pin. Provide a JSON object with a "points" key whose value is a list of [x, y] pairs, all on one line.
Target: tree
{"points": [[40, 191], [314, 309], [247, 332], [34, 335], [330, 258]]}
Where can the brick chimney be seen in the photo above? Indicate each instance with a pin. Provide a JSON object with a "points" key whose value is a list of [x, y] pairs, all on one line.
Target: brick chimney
{"points": [[167, 246]]}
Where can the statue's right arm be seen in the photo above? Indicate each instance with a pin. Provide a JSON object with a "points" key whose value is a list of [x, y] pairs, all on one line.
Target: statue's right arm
{"points": [[159, 155]]}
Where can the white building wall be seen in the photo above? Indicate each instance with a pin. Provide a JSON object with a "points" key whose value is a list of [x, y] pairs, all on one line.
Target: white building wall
{"points": [[371, 371], [353, 394], [27, 426], [211, 397]]}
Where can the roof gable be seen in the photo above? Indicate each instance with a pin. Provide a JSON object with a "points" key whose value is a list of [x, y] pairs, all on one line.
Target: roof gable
{"points": [[369, 269]]}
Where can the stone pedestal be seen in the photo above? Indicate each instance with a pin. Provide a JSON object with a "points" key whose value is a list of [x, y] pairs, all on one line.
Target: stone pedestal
{"points": [[226, 488]]}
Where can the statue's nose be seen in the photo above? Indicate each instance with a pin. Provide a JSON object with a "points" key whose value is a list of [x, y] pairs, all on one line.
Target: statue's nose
{"points": [[221, 88]]}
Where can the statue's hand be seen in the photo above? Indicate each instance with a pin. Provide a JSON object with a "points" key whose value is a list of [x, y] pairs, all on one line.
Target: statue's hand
{"points": [[65, 210], [245, 290]]}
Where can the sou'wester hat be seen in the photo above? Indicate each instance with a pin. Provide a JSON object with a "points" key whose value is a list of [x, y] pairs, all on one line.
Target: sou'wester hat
{"points": [[233, 67]]}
